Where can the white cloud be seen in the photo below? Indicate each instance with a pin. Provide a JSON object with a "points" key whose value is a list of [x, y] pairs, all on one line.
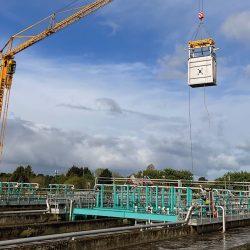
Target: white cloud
{"points": [[114, 26], [149, 122], [139, 10], [247, 69], [237, 27], [46, 149], [109, 105], [222, 160], [172, 66]]}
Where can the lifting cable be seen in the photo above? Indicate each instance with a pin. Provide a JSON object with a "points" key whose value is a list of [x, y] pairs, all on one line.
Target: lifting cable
{"points": [[190, 129], [201, 16], [66, 6], [201, 26], [61, 10], [198, 31], [4, 121], [201, 5]]}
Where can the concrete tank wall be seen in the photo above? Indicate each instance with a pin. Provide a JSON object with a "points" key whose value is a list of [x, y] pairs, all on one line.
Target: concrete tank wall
{"points": [[22, 231]]}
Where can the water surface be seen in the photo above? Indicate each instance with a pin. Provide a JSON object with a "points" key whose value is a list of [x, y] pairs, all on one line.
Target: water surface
{"points": [[213, 241]]}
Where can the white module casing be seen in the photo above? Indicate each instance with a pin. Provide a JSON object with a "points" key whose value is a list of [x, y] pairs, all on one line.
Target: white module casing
{"points": [[202, 71]]}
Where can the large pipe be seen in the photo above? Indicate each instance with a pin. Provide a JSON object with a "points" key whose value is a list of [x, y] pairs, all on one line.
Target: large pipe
{"points": [[84, 233], [223, 218], [189, 213], [24, 212], [70, 210], [48, 205]]}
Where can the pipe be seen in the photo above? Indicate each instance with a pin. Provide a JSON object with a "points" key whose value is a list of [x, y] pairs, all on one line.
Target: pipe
{"points": [[223, 219], [70, 210], [48, 205], [83, 233], [188, 216], [24, 212]]}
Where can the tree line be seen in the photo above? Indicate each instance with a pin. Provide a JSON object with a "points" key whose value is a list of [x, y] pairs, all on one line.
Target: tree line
{"points": [[84, 178], [81, 177]]}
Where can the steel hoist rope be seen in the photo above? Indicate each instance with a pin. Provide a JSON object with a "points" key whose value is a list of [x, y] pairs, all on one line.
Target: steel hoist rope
{"points": [[190, 129], [66, 6], [4, 121], [198, 32]]}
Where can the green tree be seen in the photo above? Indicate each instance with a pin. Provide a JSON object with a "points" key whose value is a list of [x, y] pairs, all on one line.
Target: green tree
{"points": [[74, 170], [202, 178], [151, 173], [48, 179], [106, 177], [173, 174], [29, 172], [86, 182], [22, 174], [242, 176], [40, 179], [60, 178], [151, 167], [5, 176], [77, 181], [167, 173], [86, 171]]}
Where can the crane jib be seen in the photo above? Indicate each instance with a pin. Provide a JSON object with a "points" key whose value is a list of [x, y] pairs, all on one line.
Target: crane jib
{"points": [[85, 11]]}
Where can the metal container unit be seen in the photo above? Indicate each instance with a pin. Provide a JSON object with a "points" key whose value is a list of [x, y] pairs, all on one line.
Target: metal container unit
{"points": [[202, 67]]}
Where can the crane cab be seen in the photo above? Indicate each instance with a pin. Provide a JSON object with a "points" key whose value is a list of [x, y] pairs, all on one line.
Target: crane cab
{"points": [[11, 67], [202, 68], [8, 70]]}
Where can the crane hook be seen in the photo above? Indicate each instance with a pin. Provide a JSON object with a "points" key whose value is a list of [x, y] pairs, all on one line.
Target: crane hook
{"points": [[201, 15]]}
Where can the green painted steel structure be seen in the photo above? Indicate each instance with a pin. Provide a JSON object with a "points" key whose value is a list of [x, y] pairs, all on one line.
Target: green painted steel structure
{"points": [[157, 203], [161, 203], [123, 213], [61, 188], [18, 188], [143, 201]]}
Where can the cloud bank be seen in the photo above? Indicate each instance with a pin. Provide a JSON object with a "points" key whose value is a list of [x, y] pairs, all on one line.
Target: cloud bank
{"points": [[119, 99]]}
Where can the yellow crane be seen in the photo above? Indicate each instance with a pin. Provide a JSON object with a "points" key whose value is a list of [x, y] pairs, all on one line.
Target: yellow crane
{"points": [[8, 64]]}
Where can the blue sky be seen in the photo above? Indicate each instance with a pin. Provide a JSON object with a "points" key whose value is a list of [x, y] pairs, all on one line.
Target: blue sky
{"points": [[111, 90]]}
